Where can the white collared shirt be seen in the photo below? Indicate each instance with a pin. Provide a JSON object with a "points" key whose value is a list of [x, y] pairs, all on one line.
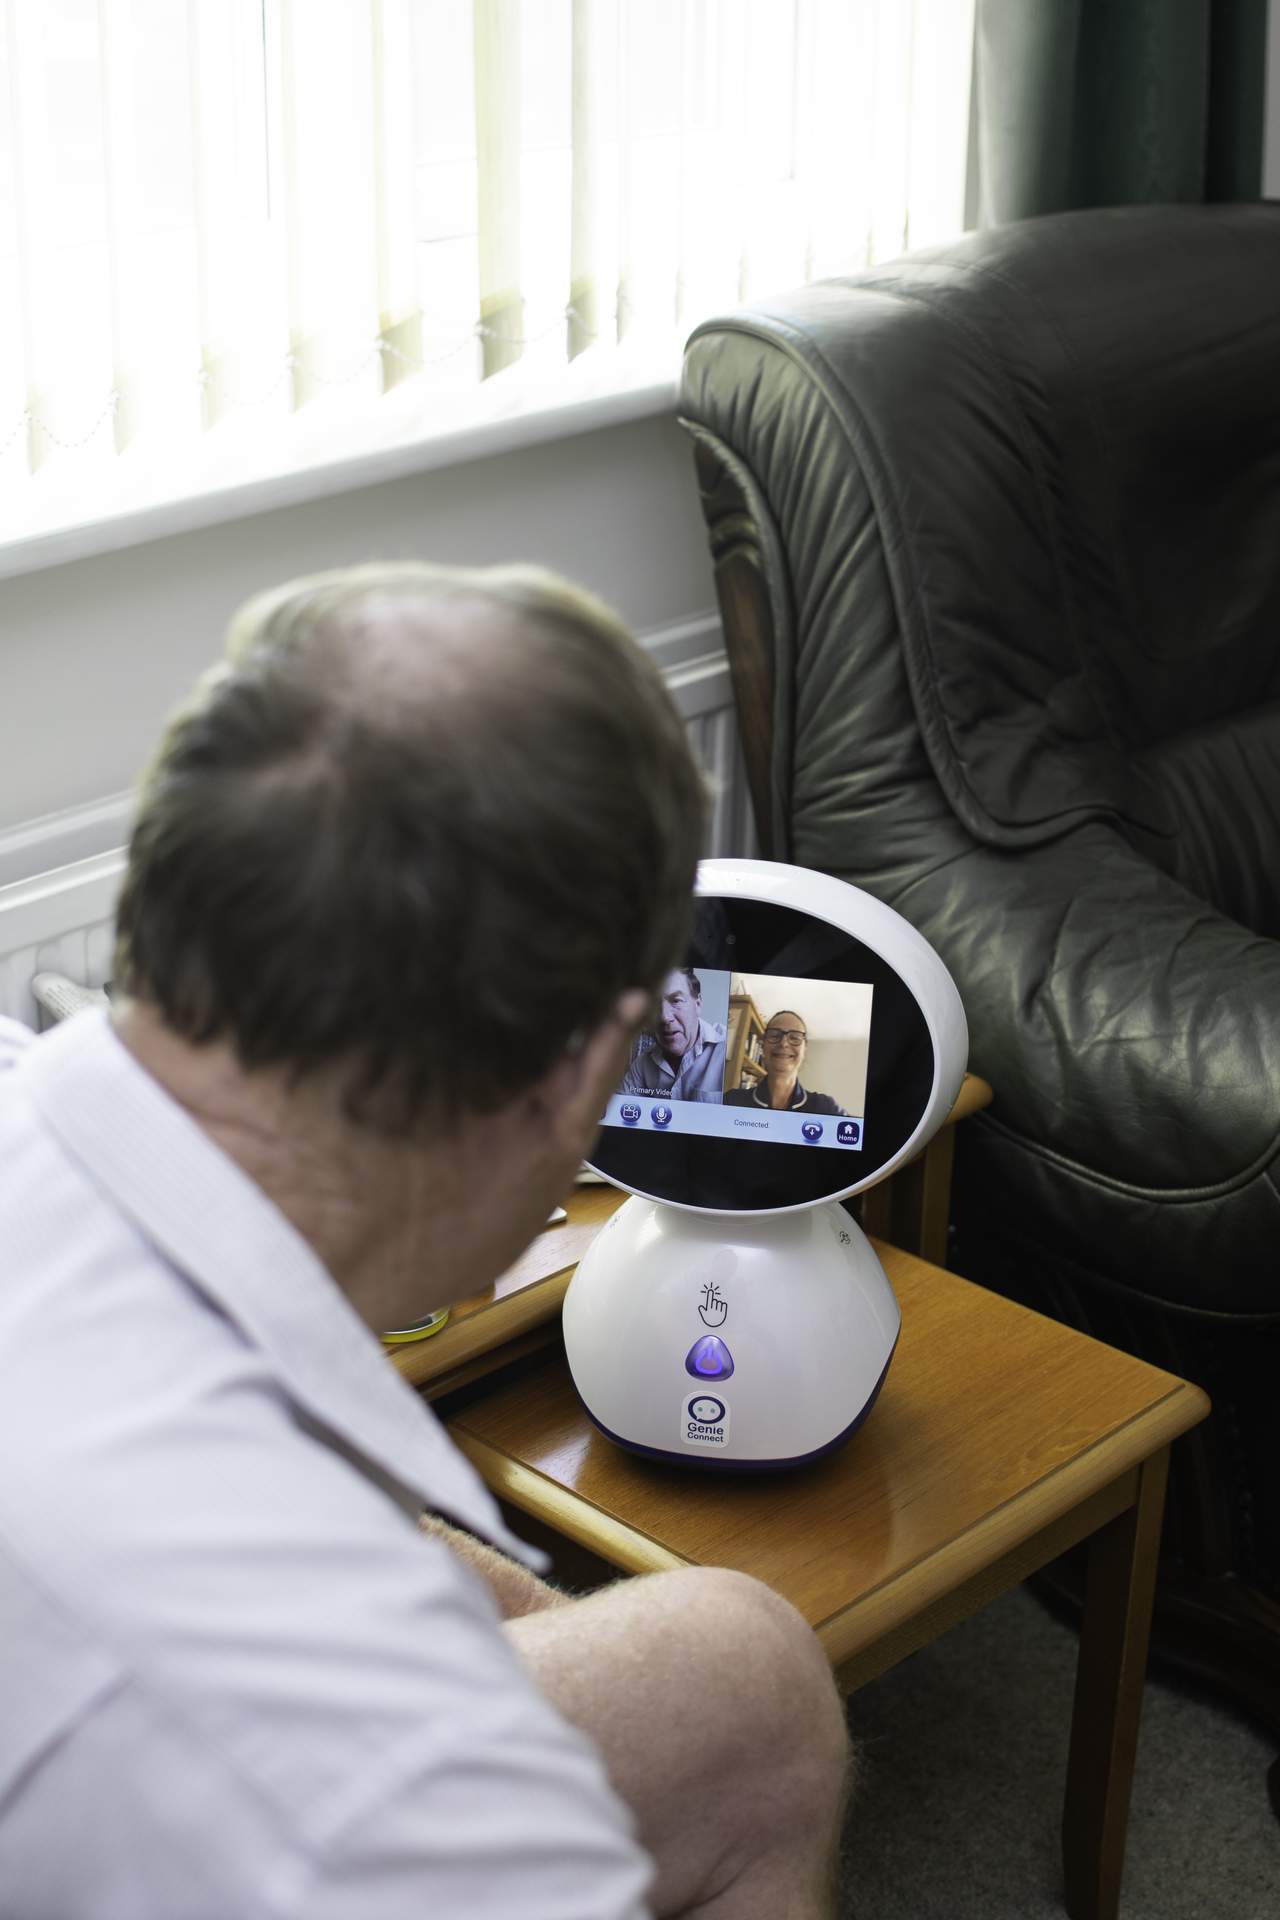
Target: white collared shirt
{"points": [[699, 1074], [236, 1680]]}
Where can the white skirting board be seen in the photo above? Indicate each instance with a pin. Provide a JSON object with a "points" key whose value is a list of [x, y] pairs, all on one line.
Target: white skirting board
{"points": [[63, 874]]}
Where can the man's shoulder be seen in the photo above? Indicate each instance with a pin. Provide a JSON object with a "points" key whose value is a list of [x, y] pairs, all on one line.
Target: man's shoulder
{"points": [[50, 1211], [246, 1579], [263, 1619], [39, 1177], [14, 1041], [643, 1074], [19, 1118], [226, 1551]]}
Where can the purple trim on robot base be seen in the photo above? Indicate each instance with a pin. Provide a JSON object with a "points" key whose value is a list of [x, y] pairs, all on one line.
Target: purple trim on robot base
{"points": [[746, 1466]]}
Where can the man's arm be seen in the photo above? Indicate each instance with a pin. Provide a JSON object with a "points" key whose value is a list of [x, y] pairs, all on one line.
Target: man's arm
{"points": [[516, 1590]]}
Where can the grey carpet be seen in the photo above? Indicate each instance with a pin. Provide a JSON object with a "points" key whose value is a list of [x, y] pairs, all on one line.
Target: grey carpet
{"points": [[963, 1760]]}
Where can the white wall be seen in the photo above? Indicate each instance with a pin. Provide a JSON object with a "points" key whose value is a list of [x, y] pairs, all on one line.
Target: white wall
{"points": [[93, 653]]}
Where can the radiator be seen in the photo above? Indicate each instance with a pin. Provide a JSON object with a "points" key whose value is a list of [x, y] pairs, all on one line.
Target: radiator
{"points": [[56, 910], [60, 921]]}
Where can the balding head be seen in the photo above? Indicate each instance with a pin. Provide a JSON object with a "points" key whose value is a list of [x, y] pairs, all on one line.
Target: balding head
{"points": [[424, 826], [386, 636]]}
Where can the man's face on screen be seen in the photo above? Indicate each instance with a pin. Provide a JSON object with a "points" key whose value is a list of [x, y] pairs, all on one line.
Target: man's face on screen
{"points": [[678, 1017]]}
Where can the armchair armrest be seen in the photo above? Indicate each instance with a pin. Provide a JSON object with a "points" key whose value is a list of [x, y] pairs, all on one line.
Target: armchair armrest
{"points": [[1132, 1036]]}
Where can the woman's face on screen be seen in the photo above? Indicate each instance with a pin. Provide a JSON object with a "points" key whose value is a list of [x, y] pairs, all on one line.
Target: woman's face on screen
{"points": [[784, 1042]]}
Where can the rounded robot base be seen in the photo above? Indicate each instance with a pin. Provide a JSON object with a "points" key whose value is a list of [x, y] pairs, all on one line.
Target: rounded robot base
{"points": [[729, 1343]]}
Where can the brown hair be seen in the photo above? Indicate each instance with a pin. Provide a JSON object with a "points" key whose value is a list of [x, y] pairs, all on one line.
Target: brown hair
{"points": [[424, 827]]}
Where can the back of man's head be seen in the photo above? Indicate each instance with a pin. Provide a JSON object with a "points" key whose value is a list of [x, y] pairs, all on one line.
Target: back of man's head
{"points": [[422, 830]]}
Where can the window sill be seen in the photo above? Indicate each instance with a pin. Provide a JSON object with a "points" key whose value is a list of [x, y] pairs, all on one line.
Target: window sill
{"points": [[334, 455]]}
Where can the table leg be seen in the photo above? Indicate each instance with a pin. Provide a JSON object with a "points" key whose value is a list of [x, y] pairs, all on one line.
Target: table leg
{"points": [[935, 1196], [1110, 1674], [912, 1208]]}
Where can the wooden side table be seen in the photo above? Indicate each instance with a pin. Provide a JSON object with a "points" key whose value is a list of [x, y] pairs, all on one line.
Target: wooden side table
{"points": [[1000, 1439]]}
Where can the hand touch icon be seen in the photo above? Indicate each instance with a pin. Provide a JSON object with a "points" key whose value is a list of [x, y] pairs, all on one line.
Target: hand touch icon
{"points": [[713, 1309]]}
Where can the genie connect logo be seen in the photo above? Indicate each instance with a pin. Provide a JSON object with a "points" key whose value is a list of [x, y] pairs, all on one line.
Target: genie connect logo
{"points": [[706, 1410]]}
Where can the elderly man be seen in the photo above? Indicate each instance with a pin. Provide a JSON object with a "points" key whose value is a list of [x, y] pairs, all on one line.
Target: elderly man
{"points": [[684, 1057], [406, 873]]}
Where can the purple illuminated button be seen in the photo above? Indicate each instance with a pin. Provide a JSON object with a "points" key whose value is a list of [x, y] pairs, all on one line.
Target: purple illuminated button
{"points": [[709, 1359]]}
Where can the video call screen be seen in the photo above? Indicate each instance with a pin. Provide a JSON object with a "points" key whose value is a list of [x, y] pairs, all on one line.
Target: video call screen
{"points": [[751, 1057], [787, 1064]]}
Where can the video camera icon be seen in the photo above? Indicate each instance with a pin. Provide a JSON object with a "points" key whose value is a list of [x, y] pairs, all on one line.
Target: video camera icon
{"points": [[629, 1112], [848, 1133]]}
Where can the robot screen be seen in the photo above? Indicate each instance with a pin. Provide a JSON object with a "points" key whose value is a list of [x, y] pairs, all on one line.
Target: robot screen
{"points": [[786, 1063], [757, 1057]]}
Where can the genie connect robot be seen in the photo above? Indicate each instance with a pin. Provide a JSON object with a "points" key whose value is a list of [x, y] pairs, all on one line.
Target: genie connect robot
{"points": [[732, 1314]]}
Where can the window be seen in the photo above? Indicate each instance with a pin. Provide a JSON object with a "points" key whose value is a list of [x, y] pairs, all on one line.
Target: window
{"points": [[242, 235]]}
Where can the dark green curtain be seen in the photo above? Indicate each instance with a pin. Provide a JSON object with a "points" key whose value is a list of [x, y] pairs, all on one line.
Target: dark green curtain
{"points": [[1090, 103]]}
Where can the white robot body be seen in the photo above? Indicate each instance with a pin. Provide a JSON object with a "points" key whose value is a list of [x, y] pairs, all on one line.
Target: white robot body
{"points": [[732, 1314], [705, 1341]]}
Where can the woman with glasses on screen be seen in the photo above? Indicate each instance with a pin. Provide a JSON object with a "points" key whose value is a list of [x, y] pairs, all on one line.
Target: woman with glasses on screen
{"points": [[785, 1041]]}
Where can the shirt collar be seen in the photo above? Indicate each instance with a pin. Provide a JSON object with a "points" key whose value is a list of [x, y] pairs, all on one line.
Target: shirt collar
{"points": [[212, 1222], [798, 1098], [699, 1044]]}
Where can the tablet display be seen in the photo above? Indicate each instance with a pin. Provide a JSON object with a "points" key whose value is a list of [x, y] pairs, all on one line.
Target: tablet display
{"points": [[784, 1062]]}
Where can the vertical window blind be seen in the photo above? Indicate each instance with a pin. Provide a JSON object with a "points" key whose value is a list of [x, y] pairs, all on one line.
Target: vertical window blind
{"points": [[217, 216]]}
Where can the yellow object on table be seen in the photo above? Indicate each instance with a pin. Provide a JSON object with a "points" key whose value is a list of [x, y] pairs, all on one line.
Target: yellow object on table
{"points": [[417, 1329]]}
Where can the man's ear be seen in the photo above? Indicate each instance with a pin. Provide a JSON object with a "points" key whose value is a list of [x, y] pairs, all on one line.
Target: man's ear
{"points": [[572, 1094]]}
